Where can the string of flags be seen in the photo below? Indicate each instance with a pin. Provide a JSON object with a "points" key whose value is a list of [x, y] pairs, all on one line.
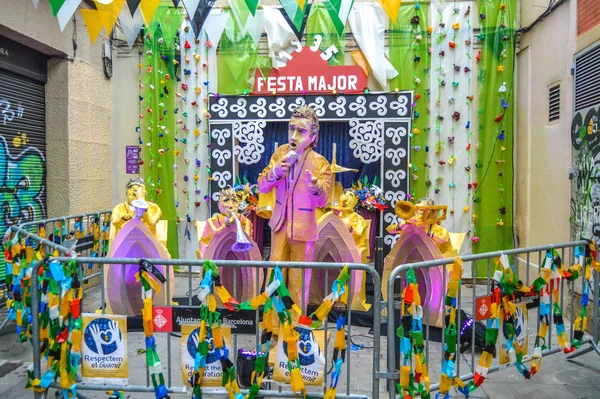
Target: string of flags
{"points": [[131, 12]]}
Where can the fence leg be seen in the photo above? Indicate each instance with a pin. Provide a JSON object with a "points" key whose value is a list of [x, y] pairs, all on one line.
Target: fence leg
{"points": [[593, 343]]}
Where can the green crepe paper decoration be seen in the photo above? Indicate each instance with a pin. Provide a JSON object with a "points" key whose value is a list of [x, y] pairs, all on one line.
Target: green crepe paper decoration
{"points": [[320, 23], [237, 60], [56, 5], [494, 237], [168, 22], [403, 48]]}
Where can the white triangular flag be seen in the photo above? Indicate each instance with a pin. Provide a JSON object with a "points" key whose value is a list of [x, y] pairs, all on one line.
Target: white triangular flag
{"points": [[367, 21], [214, 26], [279, 35], [66, 12], [190, 7], [35, 3], [255, 25], [131, 25]]}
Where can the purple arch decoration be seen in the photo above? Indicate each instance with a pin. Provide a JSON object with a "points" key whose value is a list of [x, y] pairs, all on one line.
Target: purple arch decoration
{"points": [[335, 244], [134, 240], [414, 245], [219, 248]]}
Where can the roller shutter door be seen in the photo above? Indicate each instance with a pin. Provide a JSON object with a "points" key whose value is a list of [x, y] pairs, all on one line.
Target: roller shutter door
{"points": [[22, 149]]}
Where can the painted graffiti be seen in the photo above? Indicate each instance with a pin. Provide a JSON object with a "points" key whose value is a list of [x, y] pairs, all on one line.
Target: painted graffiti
{"points": [[8, 113], [585, 184], [21, 185]]}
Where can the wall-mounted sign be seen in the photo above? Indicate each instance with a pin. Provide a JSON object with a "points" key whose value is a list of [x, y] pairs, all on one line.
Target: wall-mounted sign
{"points": [[132, 160], [308, 71]]}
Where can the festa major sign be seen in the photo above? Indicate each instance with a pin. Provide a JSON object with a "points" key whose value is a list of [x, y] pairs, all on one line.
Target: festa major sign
{"points": [[308, 72]]}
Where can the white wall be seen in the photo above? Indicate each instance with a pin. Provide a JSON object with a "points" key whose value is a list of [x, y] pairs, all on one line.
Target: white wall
{"points": [[543, 156]]}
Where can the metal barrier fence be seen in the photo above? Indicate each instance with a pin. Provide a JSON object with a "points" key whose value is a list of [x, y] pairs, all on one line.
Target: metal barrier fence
{"points": [[191, 264], [522, 255]]}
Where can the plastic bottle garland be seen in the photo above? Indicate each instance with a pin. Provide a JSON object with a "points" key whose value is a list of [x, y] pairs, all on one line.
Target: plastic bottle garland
{"points": [[60, 327], [413, 383], [587, 258], [448, 376], [147, 274], [210, 328], [276, 298]]}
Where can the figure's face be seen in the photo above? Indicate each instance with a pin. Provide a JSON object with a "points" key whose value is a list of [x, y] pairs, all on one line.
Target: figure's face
{"points": [[228, 205], [348, 201], [135, 192], [419, 212], [300, 134]]}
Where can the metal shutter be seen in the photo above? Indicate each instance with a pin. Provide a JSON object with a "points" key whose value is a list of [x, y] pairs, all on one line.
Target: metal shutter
{"points": [[587, 78], [22, 151]]}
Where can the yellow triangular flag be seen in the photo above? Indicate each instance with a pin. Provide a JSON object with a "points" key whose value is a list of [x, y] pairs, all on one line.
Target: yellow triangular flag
{"points": [[109, 13], [391, 8], [361, 61], [93, 23], [149, 8]]}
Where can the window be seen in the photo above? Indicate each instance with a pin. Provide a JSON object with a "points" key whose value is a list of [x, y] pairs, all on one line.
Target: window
{"points": [[554, 103]]}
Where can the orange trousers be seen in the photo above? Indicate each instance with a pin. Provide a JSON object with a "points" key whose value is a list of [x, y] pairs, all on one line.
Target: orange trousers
{"points": [[286, 250]]}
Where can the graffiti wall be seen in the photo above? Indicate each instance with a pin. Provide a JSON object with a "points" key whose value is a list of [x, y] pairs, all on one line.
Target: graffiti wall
{"points": [[22, 182], [22, 152], [585, 183]]}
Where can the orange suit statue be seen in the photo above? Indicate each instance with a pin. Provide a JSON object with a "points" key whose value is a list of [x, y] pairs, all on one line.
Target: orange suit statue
{"points": [[302, 180]]}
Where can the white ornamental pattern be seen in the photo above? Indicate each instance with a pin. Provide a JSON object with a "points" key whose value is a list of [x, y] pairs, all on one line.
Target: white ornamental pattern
{"points": [[396, 134], [400, 105], [221, 156], [222, 178], [367, 140], [220, 135], [250, 138], [239, 108], [220, 107], [260, 108]]}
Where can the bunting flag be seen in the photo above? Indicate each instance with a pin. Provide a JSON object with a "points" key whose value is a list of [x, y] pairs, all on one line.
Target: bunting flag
{"points": [[252, 6], [241, 14], [176, 3], [109, 13], [131, 25], [133, 6], [361, 61], [55, 6], [66, 13], [190, 8], [200, 15], [296, 14], [391, 8], [279, 35], [35, 3], [256, 25], [93, 23], [214, 26], [367, 21], [338, 11], [149, 8]]}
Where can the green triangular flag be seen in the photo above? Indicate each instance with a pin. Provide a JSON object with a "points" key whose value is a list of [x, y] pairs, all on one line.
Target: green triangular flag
{"points": [[252, 6], [338, 11], [56, 5]]}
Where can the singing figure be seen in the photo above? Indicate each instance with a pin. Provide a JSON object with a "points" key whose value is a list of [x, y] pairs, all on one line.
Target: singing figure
{"points": [[302, 180], [229, 204], [124, 212]]}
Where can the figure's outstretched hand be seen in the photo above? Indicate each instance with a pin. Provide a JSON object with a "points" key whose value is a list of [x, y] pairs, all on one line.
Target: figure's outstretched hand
{"points": [[312, 182]]}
